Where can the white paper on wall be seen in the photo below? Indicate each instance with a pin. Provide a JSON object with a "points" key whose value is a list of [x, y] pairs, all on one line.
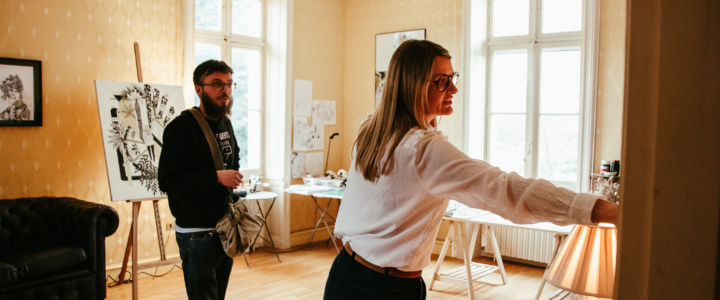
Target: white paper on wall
{"points": [[298, 165], [133, 117], [307, 137], [314, 163], [323, 112], [302, 101]]}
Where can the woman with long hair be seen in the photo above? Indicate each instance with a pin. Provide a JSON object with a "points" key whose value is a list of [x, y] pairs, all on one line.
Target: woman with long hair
{"points": [[403, 173]]}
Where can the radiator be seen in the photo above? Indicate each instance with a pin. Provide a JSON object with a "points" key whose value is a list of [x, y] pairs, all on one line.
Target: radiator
{"points": [[520, 244]]}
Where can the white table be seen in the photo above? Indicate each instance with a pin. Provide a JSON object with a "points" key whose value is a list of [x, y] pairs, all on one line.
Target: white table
{"points": [[317, 191], [475, 271], [257, 197]]}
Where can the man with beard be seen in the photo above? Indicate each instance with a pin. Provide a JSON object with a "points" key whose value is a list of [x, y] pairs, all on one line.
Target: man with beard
{"points": [[197, 192]]}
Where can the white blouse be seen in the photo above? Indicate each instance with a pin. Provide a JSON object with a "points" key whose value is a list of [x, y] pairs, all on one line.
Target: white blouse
{"points": [[393, 222]]}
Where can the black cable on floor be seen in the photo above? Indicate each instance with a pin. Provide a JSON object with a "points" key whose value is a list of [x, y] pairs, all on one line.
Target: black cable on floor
{"points": [[116, 283]]}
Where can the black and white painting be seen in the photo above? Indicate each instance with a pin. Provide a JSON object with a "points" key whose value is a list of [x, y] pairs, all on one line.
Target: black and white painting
{"points": [[385, 45], [133, 117], [20, 87]]}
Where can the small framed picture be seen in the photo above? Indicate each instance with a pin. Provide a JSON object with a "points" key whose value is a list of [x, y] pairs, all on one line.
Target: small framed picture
{"points": [[20, 92]]}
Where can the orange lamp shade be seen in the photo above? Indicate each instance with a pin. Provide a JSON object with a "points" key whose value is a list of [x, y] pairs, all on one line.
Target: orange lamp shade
{"points": [[585, 264]]}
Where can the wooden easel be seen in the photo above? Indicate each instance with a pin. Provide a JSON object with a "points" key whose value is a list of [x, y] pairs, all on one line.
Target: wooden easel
{"points": [[133, 236]]}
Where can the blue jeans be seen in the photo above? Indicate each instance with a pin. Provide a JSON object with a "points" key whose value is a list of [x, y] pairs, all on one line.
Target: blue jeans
{"points": [[348, 279], [206, 267]]}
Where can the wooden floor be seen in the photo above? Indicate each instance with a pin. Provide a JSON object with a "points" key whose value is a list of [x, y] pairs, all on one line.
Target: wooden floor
{"points": [[302, 275]]}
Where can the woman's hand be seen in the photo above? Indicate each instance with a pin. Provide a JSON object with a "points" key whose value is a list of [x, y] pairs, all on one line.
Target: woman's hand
{"points": [[604, 212], [230, 178]]}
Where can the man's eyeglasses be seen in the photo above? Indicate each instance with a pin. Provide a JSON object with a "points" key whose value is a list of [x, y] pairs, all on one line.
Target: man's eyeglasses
{"points": [[444, 81], [219, 85]]}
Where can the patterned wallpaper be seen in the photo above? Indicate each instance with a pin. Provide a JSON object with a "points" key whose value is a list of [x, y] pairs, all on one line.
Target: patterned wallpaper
{"points": [[78, 42]]}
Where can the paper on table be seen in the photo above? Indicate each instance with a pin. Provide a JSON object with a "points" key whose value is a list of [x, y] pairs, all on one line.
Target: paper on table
{"points": [[461, 211], [307, 189]]}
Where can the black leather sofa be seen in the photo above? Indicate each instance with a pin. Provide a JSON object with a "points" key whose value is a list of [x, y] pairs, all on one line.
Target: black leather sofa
{"points": [[53, 248]]}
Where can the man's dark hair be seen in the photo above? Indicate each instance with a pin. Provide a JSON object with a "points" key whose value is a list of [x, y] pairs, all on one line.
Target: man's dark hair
{"points": [[208, 67]]}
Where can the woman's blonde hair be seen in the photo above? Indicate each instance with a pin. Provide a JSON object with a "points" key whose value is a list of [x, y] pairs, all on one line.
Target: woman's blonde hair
{"points": [[402, 107]]}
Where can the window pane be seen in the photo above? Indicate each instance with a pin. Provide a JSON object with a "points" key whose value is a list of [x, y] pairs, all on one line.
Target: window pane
{"points": [[510, 17], [248, 140], [204, 52], [557, 148], [561, 16], [560, 81], [508, 82], [507, 143], [208, 14], [247, 17], [248, 76]]}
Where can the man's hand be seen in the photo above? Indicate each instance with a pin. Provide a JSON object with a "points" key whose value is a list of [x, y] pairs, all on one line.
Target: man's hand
{"points": [[230, 178]]}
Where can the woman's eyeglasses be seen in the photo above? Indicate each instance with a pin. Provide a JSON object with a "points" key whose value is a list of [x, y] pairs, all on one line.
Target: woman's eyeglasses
{"points": [[219, 85], [444, 81]]}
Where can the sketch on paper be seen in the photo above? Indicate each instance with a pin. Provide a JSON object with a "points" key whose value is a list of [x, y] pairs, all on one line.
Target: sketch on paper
{"points": [[307, 137], [385, 45], [302, 101], [314, 163], [323, 112], [298, 164], [133, 117]]}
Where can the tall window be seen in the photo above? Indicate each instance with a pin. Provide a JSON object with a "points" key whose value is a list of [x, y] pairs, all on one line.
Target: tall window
{"points": [[233, 31], [537, 88]]}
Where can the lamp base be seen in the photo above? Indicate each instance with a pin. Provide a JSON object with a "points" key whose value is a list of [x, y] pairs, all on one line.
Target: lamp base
{"points": [[565, 295]]}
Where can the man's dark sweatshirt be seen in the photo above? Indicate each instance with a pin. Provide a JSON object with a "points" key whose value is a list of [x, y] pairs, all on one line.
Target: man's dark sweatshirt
{"points": [[187, 174]]}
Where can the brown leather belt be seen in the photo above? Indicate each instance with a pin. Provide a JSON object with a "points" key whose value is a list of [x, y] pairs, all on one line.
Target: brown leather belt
{"points": [[387, 271]]}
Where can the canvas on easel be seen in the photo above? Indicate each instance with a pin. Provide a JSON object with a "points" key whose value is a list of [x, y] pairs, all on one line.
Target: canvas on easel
{"points": [[133, 116]]}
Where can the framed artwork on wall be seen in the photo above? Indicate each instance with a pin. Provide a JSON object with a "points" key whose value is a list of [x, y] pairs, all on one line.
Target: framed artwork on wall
{"points": [[20, 92], [385, 45]]}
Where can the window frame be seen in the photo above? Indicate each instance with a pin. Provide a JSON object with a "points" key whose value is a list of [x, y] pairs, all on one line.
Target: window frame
{"points": [[478, 55], [227, 42]]}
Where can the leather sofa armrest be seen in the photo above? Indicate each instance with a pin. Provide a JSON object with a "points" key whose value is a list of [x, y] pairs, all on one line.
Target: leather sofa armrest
{"points": [[86, 224]]}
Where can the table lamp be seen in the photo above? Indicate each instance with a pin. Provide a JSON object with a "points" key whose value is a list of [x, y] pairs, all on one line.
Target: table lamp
{"points": [[585, 265]]}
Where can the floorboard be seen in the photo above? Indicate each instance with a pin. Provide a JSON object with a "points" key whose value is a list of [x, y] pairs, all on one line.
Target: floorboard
{"points": [[302, 273]]}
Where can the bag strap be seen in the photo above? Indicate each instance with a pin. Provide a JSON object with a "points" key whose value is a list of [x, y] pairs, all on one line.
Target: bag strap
{"points": [[212, 142]]}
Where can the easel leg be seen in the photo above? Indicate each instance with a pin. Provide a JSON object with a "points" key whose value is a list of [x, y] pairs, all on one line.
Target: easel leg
{"points": [[158, 227], [136, 210], [128, 248]]}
